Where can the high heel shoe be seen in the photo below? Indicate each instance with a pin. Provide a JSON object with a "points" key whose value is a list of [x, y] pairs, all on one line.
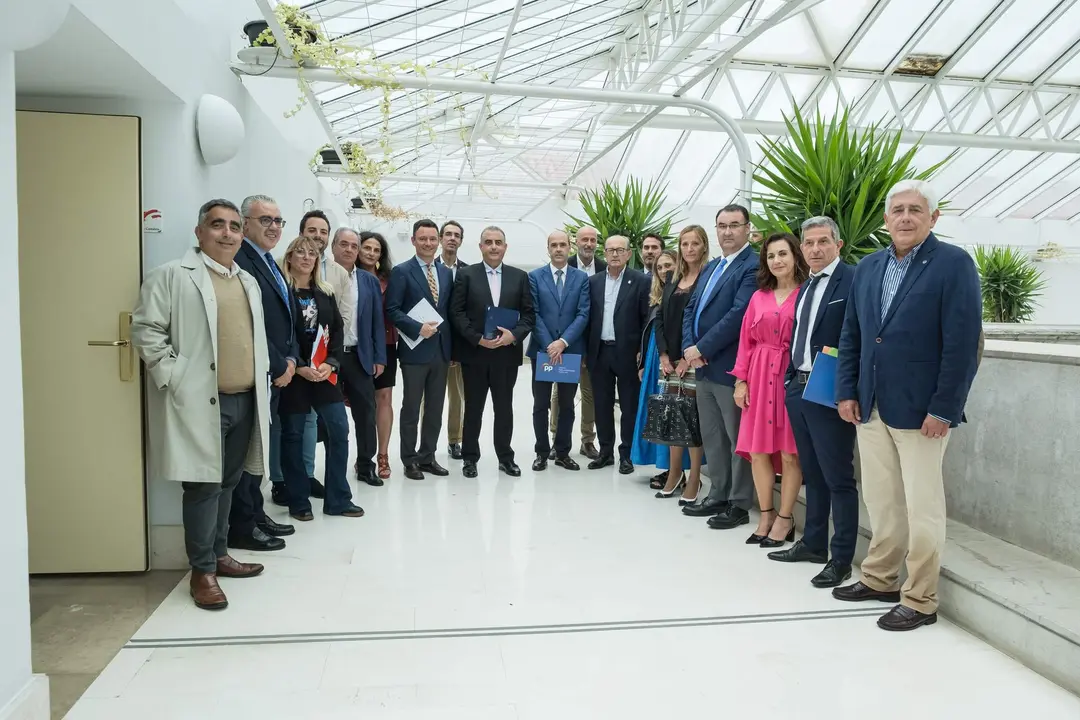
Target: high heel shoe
{"points": [[768, 542], [677, 488], [756, 539]]}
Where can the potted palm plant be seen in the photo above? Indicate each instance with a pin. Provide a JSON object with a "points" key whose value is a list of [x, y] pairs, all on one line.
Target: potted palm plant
{"points": [[837, 170], [1011, 284], [633, 210]]}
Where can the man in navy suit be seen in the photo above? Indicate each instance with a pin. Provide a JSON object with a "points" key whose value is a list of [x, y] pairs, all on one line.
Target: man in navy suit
{"points": [[908, 354], [424, 367], [825, 442], [711, 326], [249, 527], [560, 296], [618, 308]]}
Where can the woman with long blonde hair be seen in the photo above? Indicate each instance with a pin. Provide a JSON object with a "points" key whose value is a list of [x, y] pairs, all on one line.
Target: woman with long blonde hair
{"points": [[315, 314]]}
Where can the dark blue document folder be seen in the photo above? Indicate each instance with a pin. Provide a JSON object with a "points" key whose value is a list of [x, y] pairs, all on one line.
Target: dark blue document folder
{"points": [[568, 371], [497, 317]]}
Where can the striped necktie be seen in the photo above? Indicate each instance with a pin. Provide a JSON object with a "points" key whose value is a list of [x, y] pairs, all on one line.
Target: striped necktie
{"points": [[431, 283]]}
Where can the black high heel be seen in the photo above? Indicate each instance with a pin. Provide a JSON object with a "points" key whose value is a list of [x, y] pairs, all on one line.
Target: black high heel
{"points": [[756, 539], [768, 542]]}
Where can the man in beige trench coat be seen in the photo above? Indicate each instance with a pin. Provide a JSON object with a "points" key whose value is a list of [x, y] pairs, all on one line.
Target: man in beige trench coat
{"points": [[199, 329]]}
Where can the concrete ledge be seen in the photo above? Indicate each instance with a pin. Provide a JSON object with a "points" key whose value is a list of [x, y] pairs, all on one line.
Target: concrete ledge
{"points": [[31, 703], [1020, 603]]}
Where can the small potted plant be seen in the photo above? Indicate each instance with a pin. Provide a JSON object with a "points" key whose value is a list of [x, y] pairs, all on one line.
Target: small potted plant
{"points": [[357, 203], [301, 29]]}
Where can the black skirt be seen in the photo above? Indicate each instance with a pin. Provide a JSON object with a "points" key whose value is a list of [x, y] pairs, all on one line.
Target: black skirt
{"points": [[389, 377]]}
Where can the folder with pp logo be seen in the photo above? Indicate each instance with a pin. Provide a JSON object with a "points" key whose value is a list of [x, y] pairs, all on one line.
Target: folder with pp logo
{"points": [[568, 370]]}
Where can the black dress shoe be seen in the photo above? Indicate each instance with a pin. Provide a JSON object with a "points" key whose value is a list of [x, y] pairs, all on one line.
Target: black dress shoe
{"points": [[902, 618], [510, 468], [434, 468], [455, 451], [831, 576], [371, 477], [602, 462], [704, 509], [857, 592], [279, 495], [413, 472], [540, 463], [257, 541], [626, 467], [275, 529], [567, 463], [799, 552], [730, 517], [318, 490], [468, 469]]}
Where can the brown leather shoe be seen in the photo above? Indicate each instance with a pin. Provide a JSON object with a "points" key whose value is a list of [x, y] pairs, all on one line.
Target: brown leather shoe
{"points": [[206, 593], [589, 450], [230, 568]]}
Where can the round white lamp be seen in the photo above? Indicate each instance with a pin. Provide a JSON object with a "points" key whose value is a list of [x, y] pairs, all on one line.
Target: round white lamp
{"points": [[219, 128], [34, 23]]}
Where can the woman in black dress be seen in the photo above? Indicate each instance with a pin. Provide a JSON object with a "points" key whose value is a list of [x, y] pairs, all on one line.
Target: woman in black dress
{"points": [[314, 387], [375, 258]]}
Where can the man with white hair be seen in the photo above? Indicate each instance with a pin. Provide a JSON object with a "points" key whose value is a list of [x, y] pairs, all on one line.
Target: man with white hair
{"points": [[908, 355]]}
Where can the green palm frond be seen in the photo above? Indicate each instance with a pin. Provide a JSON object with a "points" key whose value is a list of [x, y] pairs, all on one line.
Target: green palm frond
{"points": [[1010, 284], [632, 209], [836, 170]]}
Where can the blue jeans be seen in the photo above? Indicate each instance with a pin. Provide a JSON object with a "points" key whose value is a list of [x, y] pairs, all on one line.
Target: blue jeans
{"points": [[311, 439], [293, 431]]}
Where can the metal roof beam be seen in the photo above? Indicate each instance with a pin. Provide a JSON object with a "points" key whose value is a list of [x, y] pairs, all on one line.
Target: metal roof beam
{"points": [[1029, 39], [977, 34]]}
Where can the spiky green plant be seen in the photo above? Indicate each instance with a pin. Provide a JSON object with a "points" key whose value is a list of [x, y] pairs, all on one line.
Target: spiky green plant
{"points": [[1010, 284], [633, 209], [837, 170]]}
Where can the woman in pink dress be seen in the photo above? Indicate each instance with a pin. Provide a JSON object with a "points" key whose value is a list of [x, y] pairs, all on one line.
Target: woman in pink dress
{"points": [[765, 436]]}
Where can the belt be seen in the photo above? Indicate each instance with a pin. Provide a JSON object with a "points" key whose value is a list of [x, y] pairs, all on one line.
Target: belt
{"points": [[349, 348], [609, 343], [801, 377]]}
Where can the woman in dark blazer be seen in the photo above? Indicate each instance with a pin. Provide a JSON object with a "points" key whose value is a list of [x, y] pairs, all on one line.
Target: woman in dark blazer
{"points": [[314, 387]]}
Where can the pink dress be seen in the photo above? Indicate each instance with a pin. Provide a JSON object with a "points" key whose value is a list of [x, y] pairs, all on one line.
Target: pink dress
{"points": [[764, 353]]}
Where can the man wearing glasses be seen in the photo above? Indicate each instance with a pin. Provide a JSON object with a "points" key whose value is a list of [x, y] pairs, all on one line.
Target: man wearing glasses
{"points": [[711, 325], [619, 304], [249, 527]]}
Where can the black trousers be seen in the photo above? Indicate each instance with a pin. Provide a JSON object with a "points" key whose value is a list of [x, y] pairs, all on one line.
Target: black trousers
{"points": [[826, 447], [423, 385], [613, 372], [479, 378], [564, 426], [359, 389], [207, 505], [247, 500]]}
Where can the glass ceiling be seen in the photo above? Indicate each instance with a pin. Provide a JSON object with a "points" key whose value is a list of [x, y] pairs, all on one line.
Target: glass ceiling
{"points": [[1000, 80]]}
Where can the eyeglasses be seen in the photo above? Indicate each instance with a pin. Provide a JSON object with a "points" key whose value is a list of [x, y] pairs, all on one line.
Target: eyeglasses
{"points": [[266, 221], [616, 251], [730, 226]]}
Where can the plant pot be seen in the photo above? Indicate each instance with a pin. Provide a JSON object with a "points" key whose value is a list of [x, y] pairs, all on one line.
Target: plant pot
{"points": [[358, 203], [329, 157], [254, 29]]}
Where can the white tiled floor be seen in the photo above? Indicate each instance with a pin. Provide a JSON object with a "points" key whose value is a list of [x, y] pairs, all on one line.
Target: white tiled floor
{"points": [[555, 548]]}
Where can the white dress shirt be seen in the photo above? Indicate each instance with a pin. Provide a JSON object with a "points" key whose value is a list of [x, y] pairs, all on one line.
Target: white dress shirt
{"points": [[611, 296], [451, 268], [494, 276], [731, 258], [347, 308], [589, 269], [565, 274], [806, 361], [219, 268]]}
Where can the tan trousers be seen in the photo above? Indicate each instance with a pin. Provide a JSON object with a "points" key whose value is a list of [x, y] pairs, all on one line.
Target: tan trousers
{"points": [[588, 411], [905, 497], [455, 396]]}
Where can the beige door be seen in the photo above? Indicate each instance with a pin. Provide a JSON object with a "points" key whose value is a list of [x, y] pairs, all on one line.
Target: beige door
{"points": [[80, 249]]}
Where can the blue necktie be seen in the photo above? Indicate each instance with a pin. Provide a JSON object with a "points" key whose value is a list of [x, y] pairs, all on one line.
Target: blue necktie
{"points": [[277, 276], [708, 294], [559, 284]]}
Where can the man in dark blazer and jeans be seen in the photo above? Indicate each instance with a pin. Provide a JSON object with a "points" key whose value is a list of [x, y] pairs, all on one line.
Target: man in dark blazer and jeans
{"points": [[424, 367], [908, 355], [711, 326], [825, 442], [490, 364], [249, 527]]}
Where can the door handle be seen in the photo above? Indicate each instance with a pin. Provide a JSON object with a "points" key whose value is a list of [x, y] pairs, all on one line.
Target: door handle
{"points": [[127, 350]]}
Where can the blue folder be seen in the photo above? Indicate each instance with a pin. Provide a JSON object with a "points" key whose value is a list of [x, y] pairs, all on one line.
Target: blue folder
{"points": [[821, 385], [568, 371], [497, 317]]}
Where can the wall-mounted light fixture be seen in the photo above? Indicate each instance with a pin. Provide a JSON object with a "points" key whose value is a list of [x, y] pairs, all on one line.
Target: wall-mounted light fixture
{"points": [[219, 128]]}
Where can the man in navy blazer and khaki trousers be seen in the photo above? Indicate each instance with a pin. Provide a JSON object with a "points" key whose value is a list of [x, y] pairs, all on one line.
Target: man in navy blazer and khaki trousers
{"points": [[423, 368], [908, 354], [711, 325], [560, 296]]}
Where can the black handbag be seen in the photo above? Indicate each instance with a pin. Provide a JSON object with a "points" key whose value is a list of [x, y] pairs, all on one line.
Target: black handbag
{"points": [[671, 415]]}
